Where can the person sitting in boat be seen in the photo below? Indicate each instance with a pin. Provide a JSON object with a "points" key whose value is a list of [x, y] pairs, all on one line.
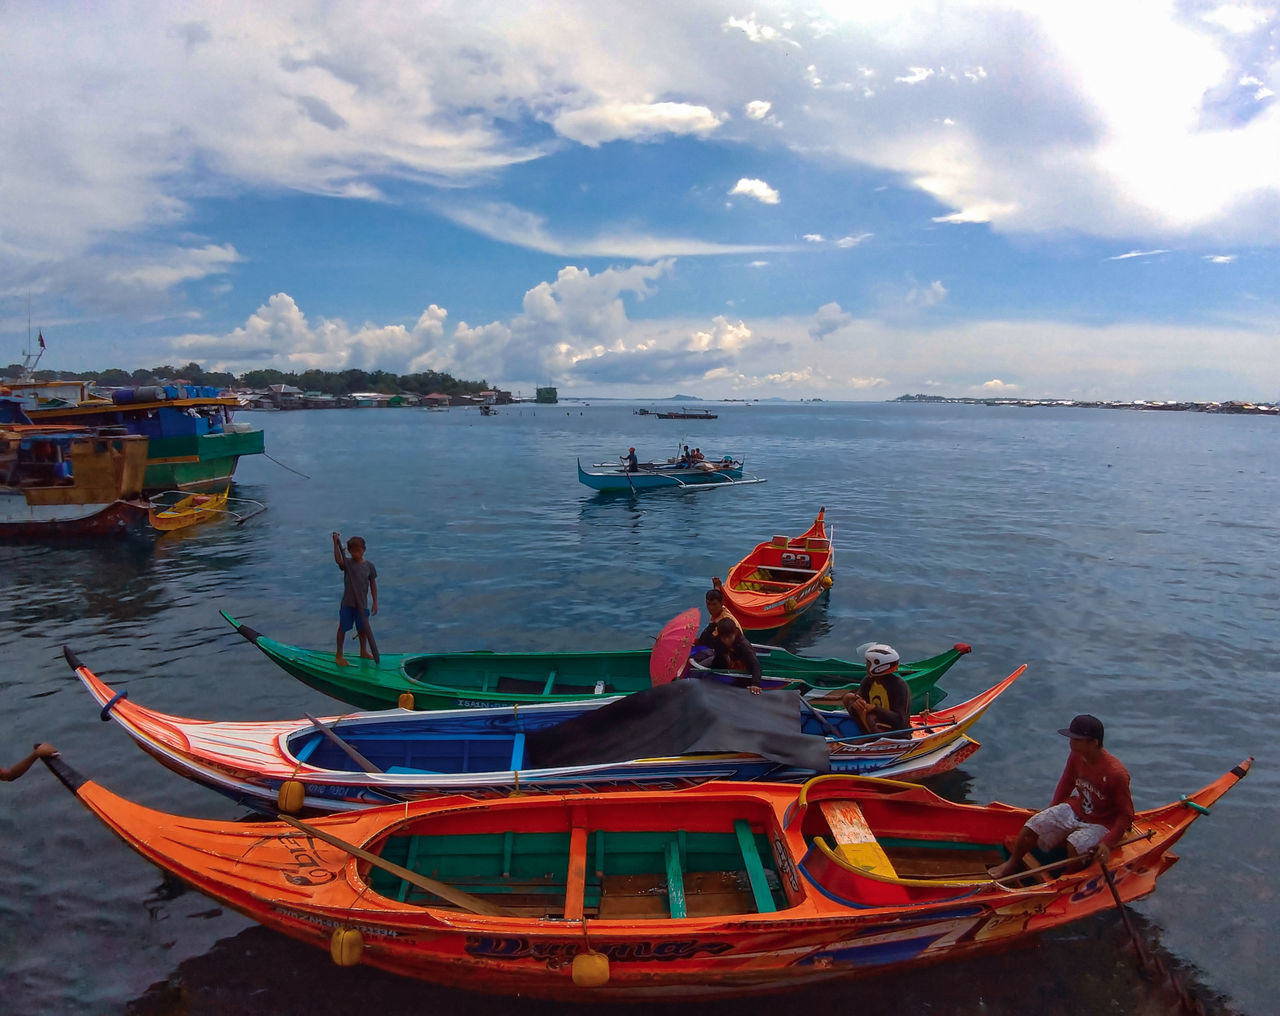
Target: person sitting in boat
{"points": [[705, 646], [882, 702], [697, 455], [1092, 807], [734, 652], [630, 460], [686, 458]]}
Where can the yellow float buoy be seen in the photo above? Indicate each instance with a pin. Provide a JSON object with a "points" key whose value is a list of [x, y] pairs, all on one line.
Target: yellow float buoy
{"points": [[790, 605], [290, 796], [346, 946], [827, 581], [591, 969], [405, 701]]}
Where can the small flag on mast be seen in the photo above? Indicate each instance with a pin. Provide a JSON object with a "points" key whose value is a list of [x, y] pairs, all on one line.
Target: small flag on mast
{"points": [[40, 336]]}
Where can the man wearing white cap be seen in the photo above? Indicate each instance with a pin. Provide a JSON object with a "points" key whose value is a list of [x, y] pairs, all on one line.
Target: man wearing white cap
{"points": [[882, 702], [1092, 807]]}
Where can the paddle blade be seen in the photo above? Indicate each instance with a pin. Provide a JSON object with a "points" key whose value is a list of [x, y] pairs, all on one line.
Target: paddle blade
{"points": [[671, 648]]}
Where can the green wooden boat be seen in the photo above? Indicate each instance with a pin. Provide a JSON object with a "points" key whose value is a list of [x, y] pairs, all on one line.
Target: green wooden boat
{"points": [[484, 678]]}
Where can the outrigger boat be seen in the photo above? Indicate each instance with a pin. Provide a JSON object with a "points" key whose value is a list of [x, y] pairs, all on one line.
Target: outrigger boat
{"points": [[483, 678], [781, 579], [177, 509], [725, 889], [658, 476], [670, 736]]}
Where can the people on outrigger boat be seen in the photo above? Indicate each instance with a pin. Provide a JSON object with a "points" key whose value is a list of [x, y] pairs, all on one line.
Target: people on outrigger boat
{"points": [[734, 652], [1092, 807], [882, 702]]}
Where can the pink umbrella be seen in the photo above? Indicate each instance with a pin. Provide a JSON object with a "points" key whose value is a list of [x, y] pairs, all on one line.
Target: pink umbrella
{"points": [[671, 648]]}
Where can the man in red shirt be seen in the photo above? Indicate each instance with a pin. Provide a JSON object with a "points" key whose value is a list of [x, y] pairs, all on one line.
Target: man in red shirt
{"points": [[1091, 807]]}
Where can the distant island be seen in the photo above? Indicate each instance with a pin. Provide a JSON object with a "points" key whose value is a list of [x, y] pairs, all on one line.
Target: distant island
{"points": [[1255, 408]]}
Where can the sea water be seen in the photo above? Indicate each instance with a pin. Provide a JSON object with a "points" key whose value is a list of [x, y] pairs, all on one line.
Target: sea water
{"points": [[1128, 558]]}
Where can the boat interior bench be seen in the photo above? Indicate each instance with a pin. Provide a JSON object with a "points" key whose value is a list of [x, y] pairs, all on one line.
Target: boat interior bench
{"points": [[603, 874], [436, 753], [546, 686], [854, 840], [901, 856]]}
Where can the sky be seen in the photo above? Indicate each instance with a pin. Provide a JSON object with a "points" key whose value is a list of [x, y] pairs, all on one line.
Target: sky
{"points": [[729, 200]]}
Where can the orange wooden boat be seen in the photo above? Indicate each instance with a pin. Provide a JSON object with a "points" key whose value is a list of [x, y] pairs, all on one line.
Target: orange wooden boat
{"points": [[721, 890], [779, 580]]}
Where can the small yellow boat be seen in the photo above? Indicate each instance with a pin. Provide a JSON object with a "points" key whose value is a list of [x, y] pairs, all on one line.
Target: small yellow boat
{"points": [[177, 509]]}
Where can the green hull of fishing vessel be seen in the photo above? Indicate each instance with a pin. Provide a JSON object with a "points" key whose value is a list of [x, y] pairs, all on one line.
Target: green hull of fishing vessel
{"points": [[483, 678]]}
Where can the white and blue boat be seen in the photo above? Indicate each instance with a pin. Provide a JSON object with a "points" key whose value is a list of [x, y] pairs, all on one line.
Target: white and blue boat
{"points": [[665, 475]]}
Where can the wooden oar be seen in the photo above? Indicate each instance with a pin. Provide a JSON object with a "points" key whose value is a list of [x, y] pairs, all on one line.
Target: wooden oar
{"points": [[1149, 965], [1066, 860], [352, 754], [1144, 962], [1029, 871], [446, 892], [895, 733]]}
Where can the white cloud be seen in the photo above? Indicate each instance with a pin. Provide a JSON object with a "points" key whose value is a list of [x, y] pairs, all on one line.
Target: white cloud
{"points": [[927, 296], [576, 330], [1220, 259], [988, 211], [757, 31], [757, 109], [830, 318], [723, 334], [508, 224], [1137, 254], [757, 189], [634, 121], [1239, 18], [862, 384], [853, 240], [915, 76], [814, 238]]}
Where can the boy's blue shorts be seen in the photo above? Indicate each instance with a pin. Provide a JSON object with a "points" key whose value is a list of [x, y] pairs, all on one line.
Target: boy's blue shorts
{"points": [[348, 616]]}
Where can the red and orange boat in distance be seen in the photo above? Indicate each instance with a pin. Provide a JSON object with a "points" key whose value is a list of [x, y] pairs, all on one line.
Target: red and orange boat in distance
{"points": [[779, 580], [726, 889]]}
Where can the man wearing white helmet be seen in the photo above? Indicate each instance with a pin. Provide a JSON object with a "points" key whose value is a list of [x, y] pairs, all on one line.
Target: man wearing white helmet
{"points": [[882, 702]]}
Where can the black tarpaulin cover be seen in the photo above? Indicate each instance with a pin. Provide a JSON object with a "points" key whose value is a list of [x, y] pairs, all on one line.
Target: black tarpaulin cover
{"points": [[678, 719]]}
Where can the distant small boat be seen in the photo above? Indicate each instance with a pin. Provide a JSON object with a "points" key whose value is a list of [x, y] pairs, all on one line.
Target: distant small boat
{"points": [[721, 890], [688, 414], [654, 476], [176, 509], [781, 579]]}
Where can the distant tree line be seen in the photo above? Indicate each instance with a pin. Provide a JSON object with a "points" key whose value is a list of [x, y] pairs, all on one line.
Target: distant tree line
{"points": [[342, 382]]}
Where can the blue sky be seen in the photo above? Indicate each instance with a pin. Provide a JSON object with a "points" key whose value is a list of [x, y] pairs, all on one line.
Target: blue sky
{"points": [[850, 201]]}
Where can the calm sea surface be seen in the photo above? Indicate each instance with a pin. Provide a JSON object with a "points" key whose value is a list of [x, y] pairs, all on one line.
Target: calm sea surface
{"points": [[1128, 558]]}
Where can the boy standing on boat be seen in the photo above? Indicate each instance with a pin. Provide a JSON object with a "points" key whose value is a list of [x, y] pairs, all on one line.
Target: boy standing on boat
{"points": [[360, 579], [1091, 809]]}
